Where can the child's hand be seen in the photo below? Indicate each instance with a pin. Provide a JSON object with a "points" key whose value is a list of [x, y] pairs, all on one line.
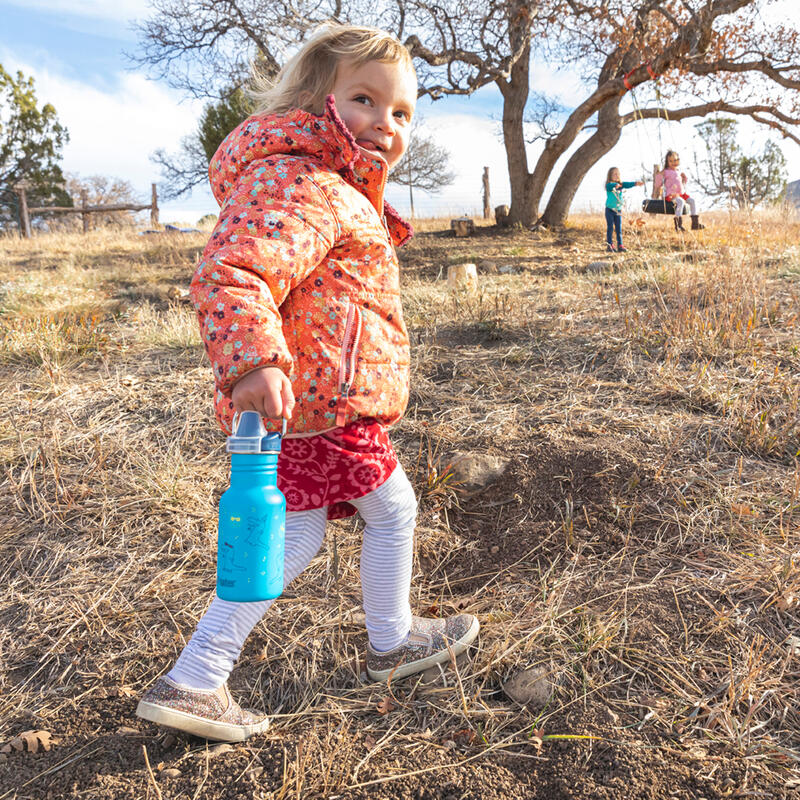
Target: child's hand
{"points": [[683, 177], [640, 183], [266, 390]]}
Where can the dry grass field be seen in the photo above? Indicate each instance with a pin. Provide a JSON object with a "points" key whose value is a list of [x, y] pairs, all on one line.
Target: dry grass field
{"points": [[641, 551]]}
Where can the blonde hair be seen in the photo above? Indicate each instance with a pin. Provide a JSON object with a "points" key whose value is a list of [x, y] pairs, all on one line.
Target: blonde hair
{"points": [[308, 77], [608, 176]]}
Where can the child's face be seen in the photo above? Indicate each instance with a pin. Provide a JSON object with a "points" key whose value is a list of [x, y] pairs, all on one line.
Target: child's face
{"points": [[674, 159], [615, 175], [376, 101]]}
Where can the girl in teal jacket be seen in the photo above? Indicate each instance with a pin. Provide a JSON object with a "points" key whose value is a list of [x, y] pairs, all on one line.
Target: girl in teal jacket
{"points": [[614, 187]]}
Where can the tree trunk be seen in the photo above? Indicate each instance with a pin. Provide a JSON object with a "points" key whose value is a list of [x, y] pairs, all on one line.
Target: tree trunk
{"points": [[609, 128], [606, 92], [515, 95]]}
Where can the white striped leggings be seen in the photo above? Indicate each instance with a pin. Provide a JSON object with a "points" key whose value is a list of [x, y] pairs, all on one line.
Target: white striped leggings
{"points": [[389, 514], [679, 203]]}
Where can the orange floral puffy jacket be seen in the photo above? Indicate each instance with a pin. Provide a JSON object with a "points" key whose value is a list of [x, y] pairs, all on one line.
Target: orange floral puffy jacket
{"points": [[300, 272]]}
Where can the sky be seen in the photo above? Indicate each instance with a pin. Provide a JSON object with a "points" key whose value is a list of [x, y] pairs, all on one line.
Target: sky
{"points": [[117, 117]]}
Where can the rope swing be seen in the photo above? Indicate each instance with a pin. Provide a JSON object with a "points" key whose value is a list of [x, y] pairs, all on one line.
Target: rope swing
{"points": [[652, 204]]}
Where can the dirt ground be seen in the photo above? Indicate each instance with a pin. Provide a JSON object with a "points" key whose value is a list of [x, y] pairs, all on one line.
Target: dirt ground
{"points": [[641, 548]]}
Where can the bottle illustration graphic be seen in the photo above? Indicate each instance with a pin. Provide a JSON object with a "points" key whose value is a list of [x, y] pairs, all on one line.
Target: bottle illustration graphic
{"points": [[252, 516]]}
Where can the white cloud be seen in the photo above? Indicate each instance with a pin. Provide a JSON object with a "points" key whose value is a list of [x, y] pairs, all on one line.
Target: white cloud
{"points": [[114, 133]]}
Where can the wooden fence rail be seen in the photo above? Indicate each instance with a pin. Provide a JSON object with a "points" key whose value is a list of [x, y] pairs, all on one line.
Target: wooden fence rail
{"points": [[84, 209]]}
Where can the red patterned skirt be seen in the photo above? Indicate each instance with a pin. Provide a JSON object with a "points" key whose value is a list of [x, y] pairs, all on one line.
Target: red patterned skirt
{"points": [[330, 468]]}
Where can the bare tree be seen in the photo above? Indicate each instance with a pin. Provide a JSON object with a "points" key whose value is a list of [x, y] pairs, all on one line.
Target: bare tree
{"points": [[183, 170], [709, 49], [100, 190], [424, 165], [203, 48], [706, 50]]}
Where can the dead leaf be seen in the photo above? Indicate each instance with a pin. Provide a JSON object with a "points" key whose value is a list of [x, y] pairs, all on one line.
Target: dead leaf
{"points": [[464, 736], [32, 741], [386, 705], [743, 510], [537, 738], [369, 742]]}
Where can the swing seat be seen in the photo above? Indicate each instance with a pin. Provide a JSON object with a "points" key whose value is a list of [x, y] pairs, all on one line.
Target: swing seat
{"points": [[658, 206]]}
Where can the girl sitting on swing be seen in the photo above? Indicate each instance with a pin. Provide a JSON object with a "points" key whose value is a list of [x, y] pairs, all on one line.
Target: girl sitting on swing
{"points": [[674, 185]]}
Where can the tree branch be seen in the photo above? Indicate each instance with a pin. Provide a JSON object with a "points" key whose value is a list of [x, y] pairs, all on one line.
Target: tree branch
{"points": [[762, 65], [704, 109]]}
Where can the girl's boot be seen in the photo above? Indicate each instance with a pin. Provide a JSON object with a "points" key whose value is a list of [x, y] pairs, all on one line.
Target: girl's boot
{"points": [[696, 224], [678, 223]]}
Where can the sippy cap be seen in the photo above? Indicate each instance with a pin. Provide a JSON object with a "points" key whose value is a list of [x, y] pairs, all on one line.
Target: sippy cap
{"points": [[271, 443], [250, 436]]}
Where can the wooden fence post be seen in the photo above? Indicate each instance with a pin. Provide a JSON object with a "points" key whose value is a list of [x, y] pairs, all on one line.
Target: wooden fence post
{"points": [[487, 205], [85, 213], [24, 218], [656, 193], [154, 208]]}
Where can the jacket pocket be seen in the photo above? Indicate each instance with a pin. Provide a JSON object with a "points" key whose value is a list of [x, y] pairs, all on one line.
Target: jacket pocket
{"points": [[348, 359]]}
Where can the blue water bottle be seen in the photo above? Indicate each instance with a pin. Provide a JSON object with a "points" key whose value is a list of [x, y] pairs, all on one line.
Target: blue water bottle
{"points": [[252, 515]]}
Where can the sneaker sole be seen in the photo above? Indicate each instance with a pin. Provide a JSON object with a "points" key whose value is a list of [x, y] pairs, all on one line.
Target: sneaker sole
{"points": [[197, 726], [440, 657]]}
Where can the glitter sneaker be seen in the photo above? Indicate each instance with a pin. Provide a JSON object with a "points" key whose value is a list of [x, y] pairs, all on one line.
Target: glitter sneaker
{"points": [[210, 714], [430, 641]]}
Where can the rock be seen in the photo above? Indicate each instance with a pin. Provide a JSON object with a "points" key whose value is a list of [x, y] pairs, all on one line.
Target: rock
{"points": [[171, 773], [219, 749], [126, 730], [599, 266], [462, 276], [477, 470], [507, 269], [531, 687], [501, 216], [487, 267]]}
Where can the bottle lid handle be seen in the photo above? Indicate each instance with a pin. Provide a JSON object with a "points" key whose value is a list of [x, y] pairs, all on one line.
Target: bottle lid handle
{"points": [[234, 424]]}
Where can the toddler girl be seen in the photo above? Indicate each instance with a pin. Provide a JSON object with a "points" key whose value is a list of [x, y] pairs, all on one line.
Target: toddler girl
{"points": [[614, 187], [674, 185], [298, 297]]}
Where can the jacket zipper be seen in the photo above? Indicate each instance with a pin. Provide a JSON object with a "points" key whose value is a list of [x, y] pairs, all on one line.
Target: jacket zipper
{"points": [[347, 364]]}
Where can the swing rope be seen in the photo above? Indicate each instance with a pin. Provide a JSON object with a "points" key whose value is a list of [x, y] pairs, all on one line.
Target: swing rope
{"points": [[637, 114]]}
